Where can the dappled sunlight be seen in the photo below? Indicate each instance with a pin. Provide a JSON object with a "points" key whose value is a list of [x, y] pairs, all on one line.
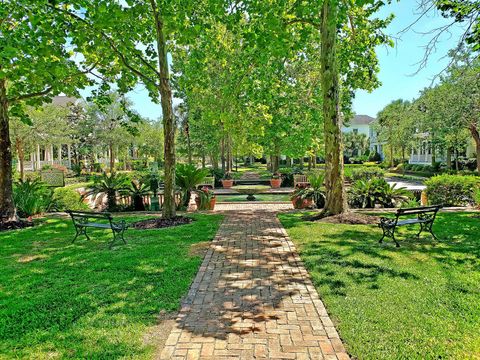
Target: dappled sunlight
{"points": [[415, 293], [84, 301]]}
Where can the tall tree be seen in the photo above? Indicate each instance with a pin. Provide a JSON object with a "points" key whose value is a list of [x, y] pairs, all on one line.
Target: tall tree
{"points": [[35, 64], [139, 54]]}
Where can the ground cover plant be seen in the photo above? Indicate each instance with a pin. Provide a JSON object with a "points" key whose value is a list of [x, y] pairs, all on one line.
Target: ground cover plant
{"points": [[83, 301], [419, 301]]}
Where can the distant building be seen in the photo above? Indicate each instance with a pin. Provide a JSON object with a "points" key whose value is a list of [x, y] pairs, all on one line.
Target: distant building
{"points": [[364, 124], [52, 154]]}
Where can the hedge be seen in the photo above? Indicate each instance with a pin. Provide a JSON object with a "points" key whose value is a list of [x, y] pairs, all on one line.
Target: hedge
{"points": [[452, 190]]}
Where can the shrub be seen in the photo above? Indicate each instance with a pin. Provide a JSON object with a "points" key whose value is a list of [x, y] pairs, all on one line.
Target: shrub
{"points": [[365, 173], [68, 199], [452, 190], [32, 197], [287, 175], [218, 174], [476, 197], [375, 157], [368, 193]]}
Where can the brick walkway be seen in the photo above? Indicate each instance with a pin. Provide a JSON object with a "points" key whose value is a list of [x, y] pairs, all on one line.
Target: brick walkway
{"points": [[253, 299]]}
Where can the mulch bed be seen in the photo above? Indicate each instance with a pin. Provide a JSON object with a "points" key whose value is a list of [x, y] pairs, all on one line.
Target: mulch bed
{"points": [[15, 225], [161, 223], [352, 218]]}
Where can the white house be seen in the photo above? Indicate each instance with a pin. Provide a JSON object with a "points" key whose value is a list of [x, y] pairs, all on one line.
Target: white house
{"points": [[52, 154], [364, 124]]}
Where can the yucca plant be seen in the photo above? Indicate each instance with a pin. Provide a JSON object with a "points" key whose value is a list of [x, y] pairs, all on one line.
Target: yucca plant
{"points": [[187, 177], [316, 181], [32, 197], [110, 185]]}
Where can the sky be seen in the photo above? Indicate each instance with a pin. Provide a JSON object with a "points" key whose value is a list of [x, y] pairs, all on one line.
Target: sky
{"points": [[397, 65]]}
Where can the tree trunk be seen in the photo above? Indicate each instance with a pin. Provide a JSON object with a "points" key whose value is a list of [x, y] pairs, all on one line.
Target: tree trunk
{"points": [[434, 158], [449, 158], [476, 136], [456, 159], [391, 155], [222, 153], [169, 206], [203, 160], [21, 157], [112, 158], [189, 143], [7, 206], [336, 199]]}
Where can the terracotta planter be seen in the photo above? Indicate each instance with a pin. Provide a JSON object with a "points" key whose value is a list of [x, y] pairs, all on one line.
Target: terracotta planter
{"points": [[302, 203], [275, 183], [227, 183], [211, 205]]}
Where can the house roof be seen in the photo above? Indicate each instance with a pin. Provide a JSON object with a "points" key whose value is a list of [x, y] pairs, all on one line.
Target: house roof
{"points": [[362, 120], [63, 100]]}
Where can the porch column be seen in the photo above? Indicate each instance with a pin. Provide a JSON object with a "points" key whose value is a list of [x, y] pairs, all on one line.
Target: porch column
{"points": [[59, 152], [38, 165], [69, 155], [51, 154]]}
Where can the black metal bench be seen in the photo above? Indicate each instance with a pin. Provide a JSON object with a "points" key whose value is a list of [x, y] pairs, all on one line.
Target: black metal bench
{"points": [[425, 217], [84, 219]]}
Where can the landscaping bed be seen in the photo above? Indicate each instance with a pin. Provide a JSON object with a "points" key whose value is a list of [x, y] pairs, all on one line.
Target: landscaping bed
{"points": [[84, 301], [419, 301]]}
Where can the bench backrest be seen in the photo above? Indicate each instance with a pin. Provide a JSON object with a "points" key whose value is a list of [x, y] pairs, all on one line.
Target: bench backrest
{"points": [[85, 215], [419, 210]]}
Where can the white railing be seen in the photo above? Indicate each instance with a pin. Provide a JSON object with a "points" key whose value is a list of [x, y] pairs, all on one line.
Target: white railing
{"points": [[423, 159]]}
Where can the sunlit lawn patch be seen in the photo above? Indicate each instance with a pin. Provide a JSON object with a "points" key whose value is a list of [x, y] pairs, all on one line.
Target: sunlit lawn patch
{"points": [[419, 301], [86, 301]]}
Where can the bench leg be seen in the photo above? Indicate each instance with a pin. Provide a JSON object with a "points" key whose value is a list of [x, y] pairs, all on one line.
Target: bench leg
{"points": [[117, 234], [427, 227], [80, 231], [421, 229], [389, 232]]}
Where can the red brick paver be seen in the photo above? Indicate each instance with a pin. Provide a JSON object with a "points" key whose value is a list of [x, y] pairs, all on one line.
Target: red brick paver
{"points": [[253, 299]]}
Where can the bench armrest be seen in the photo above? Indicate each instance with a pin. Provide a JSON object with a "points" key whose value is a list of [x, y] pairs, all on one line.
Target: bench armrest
{"points": [[120, 224], [385, 221]]}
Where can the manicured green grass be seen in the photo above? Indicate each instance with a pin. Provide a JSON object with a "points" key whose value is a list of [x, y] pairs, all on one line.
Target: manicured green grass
{"points": [[419, 301], [84, 301], [259, 197]]}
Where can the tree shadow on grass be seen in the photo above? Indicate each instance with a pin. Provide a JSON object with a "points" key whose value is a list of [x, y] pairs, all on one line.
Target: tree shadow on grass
{"points": [[459, 245], [79, 300]]}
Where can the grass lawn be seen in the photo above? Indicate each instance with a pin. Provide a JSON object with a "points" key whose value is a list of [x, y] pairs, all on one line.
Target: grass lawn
{"points": [[419, 301], [59, 300]]}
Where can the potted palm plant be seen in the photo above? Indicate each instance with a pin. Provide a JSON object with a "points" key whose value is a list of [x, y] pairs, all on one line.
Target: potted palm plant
{"points": [[276, 181], [227, 181], [307, 195], [302, 197], [206, 199]]}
